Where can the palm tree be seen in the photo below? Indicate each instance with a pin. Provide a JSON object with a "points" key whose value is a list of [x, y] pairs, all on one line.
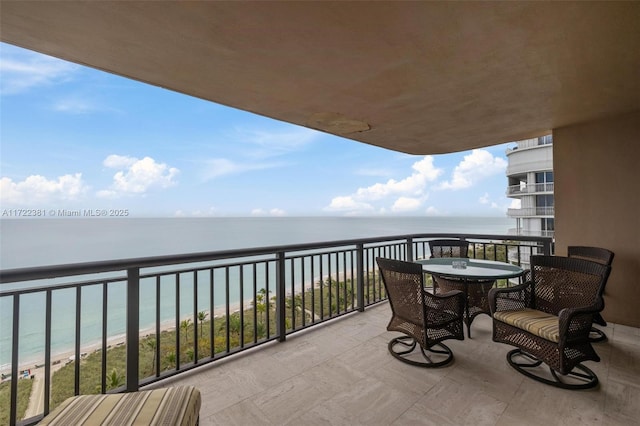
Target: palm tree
{"points": [[171, 359], [185, 324], [260, 303], [151, 344], [202, 315], [234, 323], [261, 330], [115, 379]]}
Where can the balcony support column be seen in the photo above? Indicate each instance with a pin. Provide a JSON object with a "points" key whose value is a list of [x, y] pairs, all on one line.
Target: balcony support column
{"points": [[133, 329], [281, 318], [360, 276], [13, 404]]}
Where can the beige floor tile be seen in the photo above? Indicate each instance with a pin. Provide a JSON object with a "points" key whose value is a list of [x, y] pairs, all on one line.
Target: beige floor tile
{"points": [[341, 373], [366, 402], [289, 399], [462, 404], [622, 402], [244, 413], [544, 404], [624, 365]]}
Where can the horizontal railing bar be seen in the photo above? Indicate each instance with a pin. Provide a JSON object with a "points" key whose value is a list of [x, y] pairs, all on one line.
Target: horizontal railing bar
{"points": [[346, 268], [55, 271], [63, 286]]}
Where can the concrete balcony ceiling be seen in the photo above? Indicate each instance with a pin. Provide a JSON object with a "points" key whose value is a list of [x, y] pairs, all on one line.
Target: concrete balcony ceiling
{"points": [[422, 78]]}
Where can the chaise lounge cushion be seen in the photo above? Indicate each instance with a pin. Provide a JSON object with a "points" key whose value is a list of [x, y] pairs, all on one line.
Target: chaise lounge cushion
{"points": [[535, 322], [173, 406]]}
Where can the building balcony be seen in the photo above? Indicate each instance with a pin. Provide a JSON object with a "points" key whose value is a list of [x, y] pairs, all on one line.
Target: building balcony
{"points": [[515, 231], [139, 323], [531, 212], [342, 373], [515, 191], [319, 365]]}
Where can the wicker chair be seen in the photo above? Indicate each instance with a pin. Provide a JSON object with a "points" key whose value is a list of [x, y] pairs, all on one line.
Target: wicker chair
{"points": [[475, 294], [449, 248], [425, 319], [549, 319], [600, 255]]}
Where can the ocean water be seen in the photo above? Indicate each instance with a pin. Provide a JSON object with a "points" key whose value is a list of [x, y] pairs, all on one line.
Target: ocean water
{"points": [[40, 242]]}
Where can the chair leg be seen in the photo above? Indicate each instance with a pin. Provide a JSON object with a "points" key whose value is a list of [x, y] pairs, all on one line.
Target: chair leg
{"points": [[597, 335], [573, 380], [432, 356]]}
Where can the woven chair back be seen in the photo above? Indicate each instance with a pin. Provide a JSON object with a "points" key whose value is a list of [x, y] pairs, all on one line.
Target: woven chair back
{"points": [[564, 282], [403, 283], [449, 248], [594, 254]]}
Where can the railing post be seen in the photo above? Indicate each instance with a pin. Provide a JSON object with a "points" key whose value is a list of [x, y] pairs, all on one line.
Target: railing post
{"points": [[13, 403], [410, 249], [133, 328], [281, 319], [360, 276]]}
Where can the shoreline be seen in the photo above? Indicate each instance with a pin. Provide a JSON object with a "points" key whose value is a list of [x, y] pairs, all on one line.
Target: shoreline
{"points": [[60, 359]]}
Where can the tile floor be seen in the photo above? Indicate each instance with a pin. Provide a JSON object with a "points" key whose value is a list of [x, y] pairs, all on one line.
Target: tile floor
{"points": [[342, 374]]}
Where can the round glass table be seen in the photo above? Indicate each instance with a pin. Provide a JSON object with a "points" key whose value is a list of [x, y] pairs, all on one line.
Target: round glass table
{"points": [[474, 277]]}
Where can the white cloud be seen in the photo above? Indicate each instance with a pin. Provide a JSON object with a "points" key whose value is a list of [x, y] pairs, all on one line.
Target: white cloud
{"points": [[257, 147], [137, 176], [23, 70], [217, 167], [347, 203], [38, 189], [484, 199], [373, 172], [475, 167], [75, 106], [408, 190], [275, 143], [423, 172], [119, 161], [406, 204], [432, 211]]}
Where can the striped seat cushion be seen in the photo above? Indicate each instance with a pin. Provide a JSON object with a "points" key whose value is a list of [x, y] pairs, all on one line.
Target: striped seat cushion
{"points": [[173, 406], [535, 322]]}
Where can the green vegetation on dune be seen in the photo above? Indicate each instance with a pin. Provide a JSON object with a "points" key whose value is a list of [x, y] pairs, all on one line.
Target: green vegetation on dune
{"points": [[253, 324], [24, 392]]}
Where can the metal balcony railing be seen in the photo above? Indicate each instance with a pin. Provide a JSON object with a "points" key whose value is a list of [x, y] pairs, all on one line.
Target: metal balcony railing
{"points": [[179, 312], [530, 188], [531, 212], [531, 143]]}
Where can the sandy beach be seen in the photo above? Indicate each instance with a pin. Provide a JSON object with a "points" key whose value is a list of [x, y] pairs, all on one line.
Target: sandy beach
{"points": [[60, 359]]}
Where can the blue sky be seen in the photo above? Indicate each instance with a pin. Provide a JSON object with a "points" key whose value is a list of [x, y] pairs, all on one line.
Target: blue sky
{"points": [[76, 138]]}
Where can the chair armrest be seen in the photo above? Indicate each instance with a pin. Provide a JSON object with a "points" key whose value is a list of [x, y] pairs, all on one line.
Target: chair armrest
{"points": [[451, 300], [510, 298], [575, 323]]}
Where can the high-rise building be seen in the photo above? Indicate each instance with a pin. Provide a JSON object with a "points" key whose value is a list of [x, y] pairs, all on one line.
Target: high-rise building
{"points": [[530, 175]]}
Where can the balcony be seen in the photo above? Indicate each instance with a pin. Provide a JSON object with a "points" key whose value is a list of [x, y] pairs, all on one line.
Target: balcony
{"points": [[534, 188], [540, 233], [175, 313], [531, 212], [342, 373], [322, 360]]}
